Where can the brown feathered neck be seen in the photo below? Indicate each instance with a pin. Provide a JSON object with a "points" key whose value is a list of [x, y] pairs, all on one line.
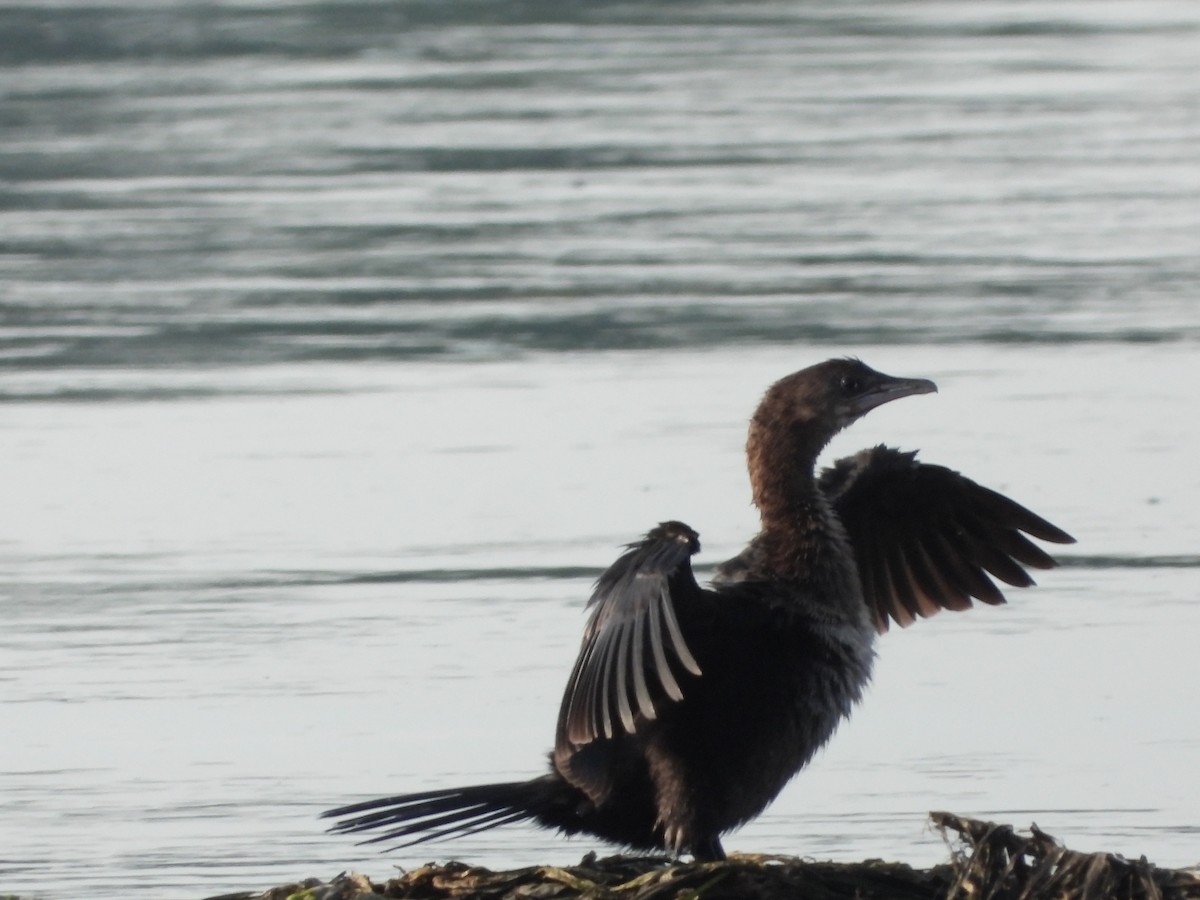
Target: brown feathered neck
{"points": [[786, 436]]}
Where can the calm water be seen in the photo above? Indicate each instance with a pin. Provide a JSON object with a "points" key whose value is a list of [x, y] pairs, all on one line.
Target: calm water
{"points": [[342, 343]]}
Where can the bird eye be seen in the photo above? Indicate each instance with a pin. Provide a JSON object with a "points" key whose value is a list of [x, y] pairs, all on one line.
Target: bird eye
{"points": [[851, 384]]}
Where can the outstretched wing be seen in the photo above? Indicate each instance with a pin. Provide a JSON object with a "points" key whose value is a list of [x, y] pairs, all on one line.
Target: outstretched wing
{"points": [[634, 651], [926, 538]]}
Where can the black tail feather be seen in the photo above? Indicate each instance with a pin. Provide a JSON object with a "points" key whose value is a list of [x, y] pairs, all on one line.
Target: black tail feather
{"points": [[433, 815], [548, 802]]}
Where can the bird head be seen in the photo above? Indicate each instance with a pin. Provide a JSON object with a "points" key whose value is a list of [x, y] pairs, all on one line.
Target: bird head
{"points": [[821, 400]]}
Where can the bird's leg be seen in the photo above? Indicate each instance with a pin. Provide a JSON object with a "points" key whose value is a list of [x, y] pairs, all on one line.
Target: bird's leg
{"points": [[708, 849]]}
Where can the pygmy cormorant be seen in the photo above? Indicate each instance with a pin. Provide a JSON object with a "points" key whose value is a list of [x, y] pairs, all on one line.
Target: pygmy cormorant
{"points": [[691, 707]]}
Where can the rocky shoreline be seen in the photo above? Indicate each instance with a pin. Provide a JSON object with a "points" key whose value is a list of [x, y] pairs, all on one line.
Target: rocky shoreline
{"points": [[987, 860]]}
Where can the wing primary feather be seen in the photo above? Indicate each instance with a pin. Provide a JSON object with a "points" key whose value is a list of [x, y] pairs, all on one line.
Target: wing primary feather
{"points": [[1027, 520], [984, 552], [926, 602], [645, 704], [661, 666], [902, 582], [945, 594], [1020, 548], [581, 711], [589, 709], [677, 642], [957, 562], [574, 702], [890, 597], [604, 711], [626, 714]]}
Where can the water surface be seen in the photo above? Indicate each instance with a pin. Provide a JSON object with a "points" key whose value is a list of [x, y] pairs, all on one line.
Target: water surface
{"points": [[341, 345]]}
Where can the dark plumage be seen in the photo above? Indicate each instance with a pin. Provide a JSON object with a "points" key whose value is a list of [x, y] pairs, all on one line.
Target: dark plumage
{"points": [[690, 708]]}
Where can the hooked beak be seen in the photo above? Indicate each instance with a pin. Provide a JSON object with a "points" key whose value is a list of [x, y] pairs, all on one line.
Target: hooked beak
{"points": [[889, 388]]}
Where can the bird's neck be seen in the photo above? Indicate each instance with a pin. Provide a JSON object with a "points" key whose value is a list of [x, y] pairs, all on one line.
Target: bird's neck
{"points": [[798, 528]]}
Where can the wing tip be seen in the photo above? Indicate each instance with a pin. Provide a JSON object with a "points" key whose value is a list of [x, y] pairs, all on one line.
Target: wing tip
{"points": [[674, 530]]}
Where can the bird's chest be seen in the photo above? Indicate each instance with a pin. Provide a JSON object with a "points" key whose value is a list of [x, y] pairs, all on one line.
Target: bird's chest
{"points": [[782, 700], [820, 679]]}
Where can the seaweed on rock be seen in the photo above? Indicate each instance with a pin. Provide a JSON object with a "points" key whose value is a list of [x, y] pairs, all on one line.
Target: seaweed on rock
{"points": [[988, 862]]}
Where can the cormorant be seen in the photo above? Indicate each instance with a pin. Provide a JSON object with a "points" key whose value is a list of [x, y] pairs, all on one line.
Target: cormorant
{"points": [[690, 707]]}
